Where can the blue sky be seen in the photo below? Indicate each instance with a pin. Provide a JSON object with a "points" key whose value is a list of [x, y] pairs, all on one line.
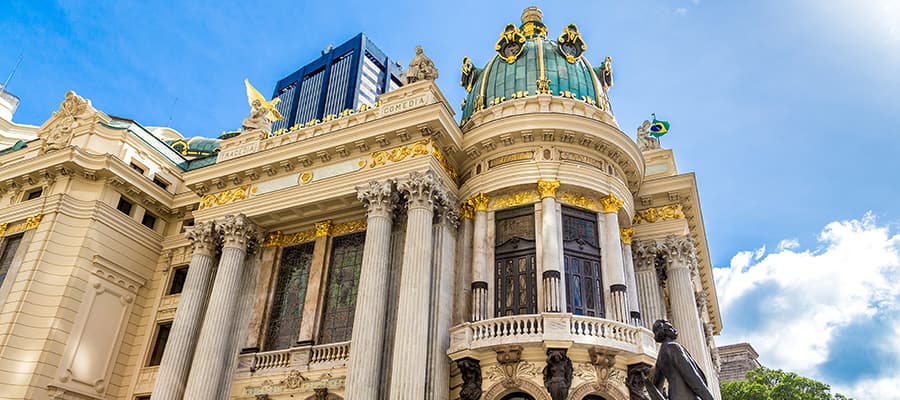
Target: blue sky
{"points": [[787, 110]]}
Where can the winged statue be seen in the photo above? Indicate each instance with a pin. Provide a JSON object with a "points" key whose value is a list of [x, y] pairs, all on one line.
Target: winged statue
{"points": [[262, 112]]}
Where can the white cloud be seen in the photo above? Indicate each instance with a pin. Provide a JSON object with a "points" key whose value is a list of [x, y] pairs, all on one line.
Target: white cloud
{"points": [[792, 304], [681, 11]]}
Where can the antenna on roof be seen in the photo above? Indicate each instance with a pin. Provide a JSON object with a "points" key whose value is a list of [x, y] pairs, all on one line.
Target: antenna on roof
{"points": [[172, 111], [11, 73]]}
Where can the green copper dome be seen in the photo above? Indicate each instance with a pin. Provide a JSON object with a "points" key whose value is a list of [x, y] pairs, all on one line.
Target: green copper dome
{"points": [[527, 63], [196, 146]]}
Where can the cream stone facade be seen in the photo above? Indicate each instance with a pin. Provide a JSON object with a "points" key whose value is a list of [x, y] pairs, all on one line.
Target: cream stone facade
{"points": [[388, 252]]}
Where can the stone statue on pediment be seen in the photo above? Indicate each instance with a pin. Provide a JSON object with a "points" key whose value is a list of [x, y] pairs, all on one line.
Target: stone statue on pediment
{"points": [[644, 140], [262, 112], [420, 68], [57, 134]]}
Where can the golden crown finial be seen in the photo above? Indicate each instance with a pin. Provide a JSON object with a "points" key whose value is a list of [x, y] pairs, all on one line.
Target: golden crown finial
{"points": [[532, 14]]}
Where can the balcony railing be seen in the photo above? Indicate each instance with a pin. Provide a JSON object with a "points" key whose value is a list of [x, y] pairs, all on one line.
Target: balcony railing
{"points": [[332, 353], [537, 328], [272, 359]]}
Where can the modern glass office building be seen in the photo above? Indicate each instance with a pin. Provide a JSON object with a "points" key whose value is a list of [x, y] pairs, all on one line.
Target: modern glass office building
{"points": [[344, 77]]}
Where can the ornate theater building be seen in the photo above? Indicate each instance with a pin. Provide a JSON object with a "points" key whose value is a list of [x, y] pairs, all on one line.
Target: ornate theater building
{"points": [[385, 252]]}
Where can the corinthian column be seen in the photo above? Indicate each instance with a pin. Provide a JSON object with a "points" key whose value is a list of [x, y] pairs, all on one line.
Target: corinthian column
{"points": [[174, 368], [479, 257], [681, 258], [409, 363], [618, 307], [634, 309], [367, 351], [213, 354], [462, 299], [443, 266], [554, 294], [647, 277]]}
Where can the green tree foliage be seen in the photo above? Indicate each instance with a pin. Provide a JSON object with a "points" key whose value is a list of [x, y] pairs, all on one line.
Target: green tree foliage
{"points": [[770, 384]]}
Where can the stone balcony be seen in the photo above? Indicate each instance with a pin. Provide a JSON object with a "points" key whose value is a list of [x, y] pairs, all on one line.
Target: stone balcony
{"points": [[551, 330], [302, 358]]}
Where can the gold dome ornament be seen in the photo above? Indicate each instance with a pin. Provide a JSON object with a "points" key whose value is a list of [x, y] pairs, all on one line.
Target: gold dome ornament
{"points": [[510, 44], [570, 43]]}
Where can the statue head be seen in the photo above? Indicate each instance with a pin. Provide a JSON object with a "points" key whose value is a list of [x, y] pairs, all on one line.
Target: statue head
{"points": [[664, 331], [419, 50]]}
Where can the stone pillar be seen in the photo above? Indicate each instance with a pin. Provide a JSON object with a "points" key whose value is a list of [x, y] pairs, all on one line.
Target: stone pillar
{"points": [[408, 369], [649, 282], [446, 222], [213, 353], [681, 258], [479, 258], [554, 293], [367, 351], [176, 361], [634, 310], [462, 299], [618, 307], [312, 306]]}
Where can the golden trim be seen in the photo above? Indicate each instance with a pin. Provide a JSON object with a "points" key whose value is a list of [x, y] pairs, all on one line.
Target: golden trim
{"points": [[515, 199], [479, 101], [627, 235], [547, 187], [222, 198], [611, 203], [543, 84], [307, 177], [651, 215], [510, 34], [323, 228], [439, 156], [30, 223], [480, 202], [579, 201], [598, 89], [276, 239], [346, 228], [399, 153], [466, 210]]}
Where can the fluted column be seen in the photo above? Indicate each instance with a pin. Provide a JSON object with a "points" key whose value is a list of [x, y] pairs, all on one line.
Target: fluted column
{"points": [[681, 257], [634, 310], [367, 350], [479, 257], [649, 289], [213, 352], [554, 292], [444, 263], [618, 307], [409, 363], [176, 361], [462, 299]]}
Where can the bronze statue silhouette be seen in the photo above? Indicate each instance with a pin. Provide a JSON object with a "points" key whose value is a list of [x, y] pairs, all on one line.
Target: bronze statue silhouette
{"points": [[675, 365]]}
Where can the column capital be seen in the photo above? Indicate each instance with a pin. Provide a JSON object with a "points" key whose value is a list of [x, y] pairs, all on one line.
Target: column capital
{"points": [[466, 210], [237, 231], [681, 249], [547, 187], [627, 235], [447, 214], [611, 203], [323, 228], [479, 202], [204, 238], [420, 189], [379, 198]]}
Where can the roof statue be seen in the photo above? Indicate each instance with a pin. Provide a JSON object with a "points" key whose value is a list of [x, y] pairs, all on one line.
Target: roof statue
{"points": [[420, 68], [644, 140], [607, 73], [262, 112], [58, 132]]}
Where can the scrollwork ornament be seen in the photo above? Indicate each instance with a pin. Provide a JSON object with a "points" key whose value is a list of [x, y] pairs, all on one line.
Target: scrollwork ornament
{"points": [[203, 238]]}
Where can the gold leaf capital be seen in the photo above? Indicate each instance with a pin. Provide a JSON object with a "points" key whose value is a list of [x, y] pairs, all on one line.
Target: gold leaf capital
{"points": [[466, 210], [611, 203], [627, 235], [548, 187], [480, 202], [323, 228]]}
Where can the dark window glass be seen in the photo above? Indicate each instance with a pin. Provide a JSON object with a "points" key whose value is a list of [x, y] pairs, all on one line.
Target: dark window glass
{"points": [[146, 397], [160, 182], [178, 277], [581, 254], [518, 396], [515, 264], [149, 220], [9, 252], [290, 293], [187, 224], [159, 346], [137, 168], [343, 279], [124, 206], [34, 194]]}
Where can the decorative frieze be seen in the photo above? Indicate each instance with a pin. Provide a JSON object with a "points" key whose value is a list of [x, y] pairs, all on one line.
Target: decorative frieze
{"points": [[294, 382], [276, 239], [514, 200], [651, 215], [222, 198], [30, 223], [579, 200], [346, 228], [509, 158], [323, 228]]}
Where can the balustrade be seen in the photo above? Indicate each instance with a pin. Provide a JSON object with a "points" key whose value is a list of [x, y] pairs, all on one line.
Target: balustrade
{"points": [[272, 359], [330, 352]]}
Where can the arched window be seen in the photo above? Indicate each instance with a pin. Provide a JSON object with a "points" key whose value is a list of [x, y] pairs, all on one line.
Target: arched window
{"points": [[290, 294], [515, 267], [582, 263], [593, 397], [343, 281], [517, 396]]}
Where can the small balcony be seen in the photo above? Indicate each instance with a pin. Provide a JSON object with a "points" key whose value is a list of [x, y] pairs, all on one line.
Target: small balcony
{"points": [[301, 358], [552, 330]]}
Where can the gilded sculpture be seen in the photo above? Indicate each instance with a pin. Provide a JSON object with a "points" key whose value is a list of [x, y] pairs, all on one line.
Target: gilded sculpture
{"points": [[510, 44], [548, 187], [570, 43], [606, 76], [420, 68], [467, 80], [262, 112], [611, 203]]}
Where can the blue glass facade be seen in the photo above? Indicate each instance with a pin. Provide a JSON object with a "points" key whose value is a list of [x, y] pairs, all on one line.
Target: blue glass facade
{"points": [[344, 77]]}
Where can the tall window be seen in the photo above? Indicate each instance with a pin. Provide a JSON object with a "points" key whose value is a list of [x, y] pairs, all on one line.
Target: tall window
{"points": [[159, 346], [9, 252], [582, 262], [343, 280], [290, 292], [515, 267]]}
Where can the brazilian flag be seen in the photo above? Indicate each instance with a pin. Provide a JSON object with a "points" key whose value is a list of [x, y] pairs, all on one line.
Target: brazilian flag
{"points": [[658, 127]]}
